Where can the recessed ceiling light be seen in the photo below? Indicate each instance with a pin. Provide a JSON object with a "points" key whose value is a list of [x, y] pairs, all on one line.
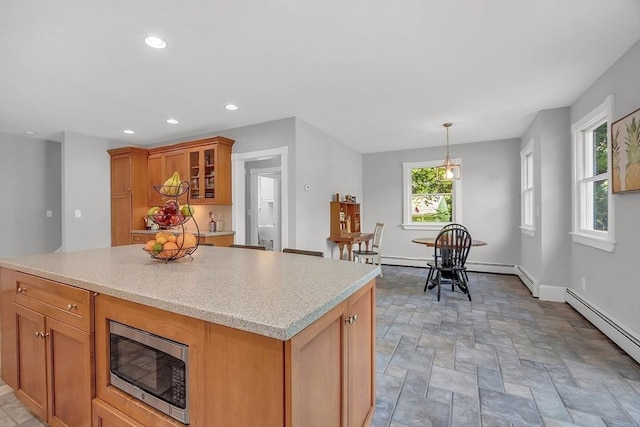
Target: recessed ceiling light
{"points": [[128, 131], [172, 121], [231, 107], [155, 42], [30, 132]]}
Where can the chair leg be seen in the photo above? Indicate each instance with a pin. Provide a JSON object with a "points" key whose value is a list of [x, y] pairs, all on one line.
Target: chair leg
{"points": [[426, 284], [438, 279]]}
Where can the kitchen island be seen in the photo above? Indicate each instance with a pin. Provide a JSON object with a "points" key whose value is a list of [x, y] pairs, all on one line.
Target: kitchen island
{"points": [[274, 339]]}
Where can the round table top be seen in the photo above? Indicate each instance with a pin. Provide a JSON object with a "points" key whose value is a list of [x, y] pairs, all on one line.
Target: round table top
{"points": [[431, 241]]}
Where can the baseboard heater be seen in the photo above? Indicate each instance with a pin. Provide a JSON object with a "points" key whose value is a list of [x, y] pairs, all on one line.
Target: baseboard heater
{"points": [[608, 326]]}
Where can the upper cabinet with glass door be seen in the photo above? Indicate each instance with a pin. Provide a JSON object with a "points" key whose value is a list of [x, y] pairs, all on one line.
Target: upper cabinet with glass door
{"points": [[208, 169]]}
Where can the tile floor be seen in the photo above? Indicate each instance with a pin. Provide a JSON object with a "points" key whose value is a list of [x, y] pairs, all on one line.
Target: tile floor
{"points": [[506, 359]]}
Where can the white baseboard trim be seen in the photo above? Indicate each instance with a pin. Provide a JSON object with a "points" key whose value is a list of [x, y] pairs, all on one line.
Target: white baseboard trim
{"points": [[552, 293], [528, 280], [618, 332]]}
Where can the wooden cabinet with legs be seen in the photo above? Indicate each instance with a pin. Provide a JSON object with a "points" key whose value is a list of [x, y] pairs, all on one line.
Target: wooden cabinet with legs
{"points": [[128, 192], [51, 368]]}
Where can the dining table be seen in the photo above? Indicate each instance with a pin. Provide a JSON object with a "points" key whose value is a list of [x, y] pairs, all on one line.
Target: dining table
{"points": [[431, 241], [348, 240]]}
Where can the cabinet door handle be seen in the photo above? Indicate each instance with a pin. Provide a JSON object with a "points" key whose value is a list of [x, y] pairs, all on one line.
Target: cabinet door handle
{"points": [[355, 317], [71, 306], [351, 319], [37, 334], [42, 334], [21, 290]]}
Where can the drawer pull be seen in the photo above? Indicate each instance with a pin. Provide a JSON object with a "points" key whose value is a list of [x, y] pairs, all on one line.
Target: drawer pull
{"points": [[42, 334], [71, 306], [21, 290]]}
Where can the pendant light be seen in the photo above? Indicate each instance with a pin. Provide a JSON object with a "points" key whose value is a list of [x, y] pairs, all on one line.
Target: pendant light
{"points": [[448, 170]]}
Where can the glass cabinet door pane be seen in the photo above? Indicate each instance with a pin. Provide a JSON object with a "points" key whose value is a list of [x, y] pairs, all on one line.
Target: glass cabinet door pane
{"points": [[209, 173], [194, 171]]}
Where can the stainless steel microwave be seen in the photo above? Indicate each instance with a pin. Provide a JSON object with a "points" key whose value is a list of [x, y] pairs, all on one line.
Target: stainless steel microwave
{"points": [[150, 368]]}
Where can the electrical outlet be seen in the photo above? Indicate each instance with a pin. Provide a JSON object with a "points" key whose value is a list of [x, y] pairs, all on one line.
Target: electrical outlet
{"points": [[78, 213], [49, 214], [583, 283]]}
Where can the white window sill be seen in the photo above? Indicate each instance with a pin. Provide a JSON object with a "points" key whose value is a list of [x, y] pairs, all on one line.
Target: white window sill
{"points": [[529, 231], [593, 241], [427, 227]]}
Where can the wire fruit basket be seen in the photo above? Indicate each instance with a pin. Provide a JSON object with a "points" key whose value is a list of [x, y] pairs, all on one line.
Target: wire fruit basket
{"points": [[168, 246]]}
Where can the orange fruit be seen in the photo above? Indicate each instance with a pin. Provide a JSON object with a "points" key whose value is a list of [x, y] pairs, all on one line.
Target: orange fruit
{"points": [[186, 240], [149, 245], [162, 240], [169, 250], [172, 238]]}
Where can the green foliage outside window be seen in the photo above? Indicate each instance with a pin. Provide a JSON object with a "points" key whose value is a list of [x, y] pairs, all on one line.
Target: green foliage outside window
{"points": [[601, 188], [431, 200]]}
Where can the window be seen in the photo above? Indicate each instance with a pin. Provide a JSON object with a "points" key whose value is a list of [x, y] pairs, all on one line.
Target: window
{"points": [[593, 219], [527, 222], [429, 204]]}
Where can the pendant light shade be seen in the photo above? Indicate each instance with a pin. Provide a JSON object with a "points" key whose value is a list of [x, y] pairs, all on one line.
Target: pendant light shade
{"points": [[448, 170]]}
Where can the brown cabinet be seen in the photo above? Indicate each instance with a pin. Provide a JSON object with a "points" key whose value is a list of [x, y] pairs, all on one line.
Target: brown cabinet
{"points": [[161, 167], [128, 192], [107, 416], [52, 367], [335, 355], [345, 218]]}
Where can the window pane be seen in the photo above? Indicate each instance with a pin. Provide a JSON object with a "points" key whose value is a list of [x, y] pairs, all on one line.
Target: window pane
{"points": [[529, 171], [600, 206], [600, 162], [431, 200], [528, 208]]}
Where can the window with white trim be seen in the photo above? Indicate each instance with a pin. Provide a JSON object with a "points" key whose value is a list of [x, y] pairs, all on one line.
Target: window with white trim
{"points": [[429, 204], [593, 217], [527, 209]]}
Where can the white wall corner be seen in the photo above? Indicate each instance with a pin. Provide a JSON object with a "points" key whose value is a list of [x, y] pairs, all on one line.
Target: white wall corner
{"points": [[552, 293], [529, 280], [612, 327]]}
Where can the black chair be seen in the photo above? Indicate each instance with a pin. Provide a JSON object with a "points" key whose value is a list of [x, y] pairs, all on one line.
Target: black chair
{"points": [[431, 264], [451, 250], [303, 252], [260, 248]]}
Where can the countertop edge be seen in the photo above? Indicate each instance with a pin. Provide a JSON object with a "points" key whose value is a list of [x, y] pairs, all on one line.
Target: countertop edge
{"points": [[283, 334]]}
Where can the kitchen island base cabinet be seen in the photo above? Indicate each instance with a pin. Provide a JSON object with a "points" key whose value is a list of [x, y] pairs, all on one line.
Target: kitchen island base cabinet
{"points": [[323, 376], [51, 363]]}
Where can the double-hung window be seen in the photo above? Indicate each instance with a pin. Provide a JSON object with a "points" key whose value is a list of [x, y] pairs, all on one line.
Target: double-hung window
{"points": [[429, 204], [593, 218], [527, 208]]}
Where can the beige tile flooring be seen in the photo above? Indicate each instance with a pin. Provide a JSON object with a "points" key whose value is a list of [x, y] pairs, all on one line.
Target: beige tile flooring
{"points": [[505, 360]]}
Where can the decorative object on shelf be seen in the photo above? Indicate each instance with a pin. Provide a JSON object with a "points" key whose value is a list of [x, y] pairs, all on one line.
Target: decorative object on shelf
{"points": [[167, 246], [448, 170], [625, 153]]}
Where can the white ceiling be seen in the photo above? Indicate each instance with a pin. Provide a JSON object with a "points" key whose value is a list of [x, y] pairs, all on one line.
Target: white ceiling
{"points": [[376, 75]]}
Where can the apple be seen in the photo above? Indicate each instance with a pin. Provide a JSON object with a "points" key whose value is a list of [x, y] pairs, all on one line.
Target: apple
{"points": [[187, 210], [152, 211], [159, 216], [174, 220], [171, 207]]}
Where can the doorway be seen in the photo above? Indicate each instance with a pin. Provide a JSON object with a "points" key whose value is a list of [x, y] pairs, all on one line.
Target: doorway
{"points": [[245, 200], [264, 208]]}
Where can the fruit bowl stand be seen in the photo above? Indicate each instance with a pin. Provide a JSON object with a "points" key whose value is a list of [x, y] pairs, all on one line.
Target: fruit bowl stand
{"points": [[174, 191]]}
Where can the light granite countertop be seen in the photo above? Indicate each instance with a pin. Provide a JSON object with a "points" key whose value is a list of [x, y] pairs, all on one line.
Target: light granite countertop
{"points": [[202, 233], [268, 293]]}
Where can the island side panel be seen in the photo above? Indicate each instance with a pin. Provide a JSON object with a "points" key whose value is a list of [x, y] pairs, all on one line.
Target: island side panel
{"points": [[8, 328]]}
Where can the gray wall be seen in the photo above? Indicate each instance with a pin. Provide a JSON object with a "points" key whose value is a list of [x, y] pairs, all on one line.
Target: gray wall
{"points": [[30, 185], [613, 278], [490, 200], [328, 167], [546, 255], [86, 186]]}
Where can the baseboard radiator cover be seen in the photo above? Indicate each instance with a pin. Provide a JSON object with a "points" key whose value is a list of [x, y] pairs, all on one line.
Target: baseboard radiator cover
{"points": [[481, 267], [624, 337], [527, 279]]}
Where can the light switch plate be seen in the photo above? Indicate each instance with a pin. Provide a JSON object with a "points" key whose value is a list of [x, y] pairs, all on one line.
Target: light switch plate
{"points": [[49, 214], [78, 213]]}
